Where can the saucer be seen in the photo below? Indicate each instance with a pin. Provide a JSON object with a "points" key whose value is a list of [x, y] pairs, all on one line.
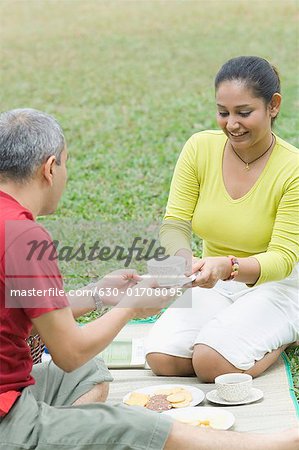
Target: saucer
{"points": [[256, 394], [185, 280], [180, 281]]}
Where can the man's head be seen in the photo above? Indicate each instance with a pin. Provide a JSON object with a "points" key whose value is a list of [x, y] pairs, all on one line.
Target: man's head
{"points": [[32, 147]]}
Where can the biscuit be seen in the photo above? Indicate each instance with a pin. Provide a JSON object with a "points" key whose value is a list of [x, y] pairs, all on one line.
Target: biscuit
{"points": [[176, 398], [137, 399], [164, 392], [181, 404]]}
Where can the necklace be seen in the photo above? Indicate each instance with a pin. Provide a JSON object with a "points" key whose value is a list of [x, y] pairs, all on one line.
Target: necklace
{"points": [[247, 163]]}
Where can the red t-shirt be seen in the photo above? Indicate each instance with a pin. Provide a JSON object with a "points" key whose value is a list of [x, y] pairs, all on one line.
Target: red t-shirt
{"points": [[30, 285]]}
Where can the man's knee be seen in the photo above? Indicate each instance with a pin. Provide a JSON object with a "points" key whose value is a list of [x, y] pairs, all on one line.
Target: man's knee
{"points": [[208, 363], [98, 393]]}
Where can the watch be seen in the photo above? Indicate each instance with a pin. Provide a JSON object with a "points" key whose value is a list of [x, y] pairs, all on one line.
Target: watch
{"points": [[98, 300]]}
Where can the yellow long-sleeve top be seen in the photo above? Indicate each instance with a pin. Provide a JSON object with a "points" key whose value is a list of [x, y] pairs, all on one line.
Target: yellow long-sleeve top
{"points": [[263, 223]]}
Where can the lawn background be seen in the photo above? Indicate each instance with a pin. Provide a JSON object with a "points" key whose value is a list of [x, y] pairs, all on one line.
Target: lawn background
{"points": [[130, 81]]}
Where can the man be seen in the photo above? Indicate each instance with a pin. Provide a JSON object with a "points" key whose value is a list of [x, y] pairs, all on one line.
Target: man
{"points": [[62, 405]]}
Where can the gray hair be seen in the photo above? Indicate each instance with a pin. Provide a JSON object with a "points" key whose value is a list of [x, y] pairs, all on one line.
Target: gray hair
{"points": [[27, 139]]}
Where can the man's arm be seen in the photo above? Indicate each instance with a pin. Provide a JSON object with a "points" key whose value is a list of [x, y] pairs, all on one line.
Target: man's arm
{"points": [[72, 346], [82, 301], [79, 306], [112, 288]]}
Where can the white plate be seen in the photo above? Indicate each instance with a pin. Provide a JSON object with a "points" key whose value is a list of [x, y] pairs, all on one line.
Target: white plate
{"points": [[256, 394], [197, 395], [219, 418]]}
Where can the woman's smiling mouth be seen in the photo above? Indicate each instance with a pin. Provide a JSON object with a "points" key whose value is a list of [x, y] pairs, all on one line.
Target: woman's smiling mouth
{"points": [[238, 134]]}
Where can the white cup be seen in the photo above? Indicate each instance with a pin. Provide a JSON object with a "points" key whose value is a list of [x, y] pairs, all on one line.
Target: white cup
{"points": [[234, 387], [169, 272]]}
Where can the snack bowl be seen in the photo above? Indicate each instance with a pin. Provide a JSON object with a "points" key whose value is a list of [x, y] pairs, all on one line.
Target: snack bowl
{"points": [[233, 387]]}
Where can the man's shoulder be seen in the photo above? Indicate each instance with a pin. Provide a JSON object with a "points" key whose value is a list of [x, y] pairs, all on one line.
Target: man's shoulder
{"points": [[12, 209], [21, 232]]}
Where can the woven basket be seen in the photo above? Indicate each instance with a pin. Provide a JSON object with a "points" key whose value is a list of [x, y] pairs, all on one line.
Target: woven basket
{"points": [[36, 347]]}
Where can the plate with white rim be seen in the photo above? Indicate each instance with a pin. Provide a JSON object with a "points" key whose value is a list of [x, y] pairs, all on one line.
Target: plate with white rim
{"points": [[254, 396], [203, 416], [197, 394]]}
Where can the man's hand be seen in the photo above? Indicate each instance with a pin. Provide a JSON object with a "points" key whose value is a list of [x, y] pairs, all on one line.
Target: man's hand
{"points": [[211, 270], [113, 286], [147, 299]]}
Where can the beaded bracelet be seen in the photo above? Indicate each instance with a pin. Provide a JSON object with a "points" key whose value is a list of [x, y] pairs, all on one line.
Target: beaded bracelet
{"points": [[235, 268]]}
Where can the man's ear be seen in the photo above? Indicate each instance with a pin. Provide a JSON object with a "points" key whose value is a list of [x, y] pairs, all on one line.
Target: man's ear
{"points": [[48, 169], [274, 105]]}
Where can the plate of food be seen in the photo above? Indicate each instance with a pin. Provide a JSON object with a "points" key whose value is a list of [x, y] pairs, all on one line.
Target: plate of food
{"points": [[164, 397], [203, 417]]}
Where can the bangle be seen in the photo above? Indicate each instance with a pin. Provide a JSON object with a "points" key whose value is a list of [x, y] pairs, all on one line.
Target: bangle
{"points": [[235, 268], [98, 300]]}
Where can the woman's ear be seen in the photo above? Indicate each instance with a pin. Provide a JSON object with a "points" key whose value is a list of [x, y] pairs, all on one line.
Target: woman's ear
{"points": [[274, 105], [48, 169]]}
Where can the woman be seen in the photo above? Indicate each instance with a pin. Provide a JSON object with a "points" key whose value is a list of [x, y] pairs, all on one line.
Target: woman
{"points": [[238, 190]]}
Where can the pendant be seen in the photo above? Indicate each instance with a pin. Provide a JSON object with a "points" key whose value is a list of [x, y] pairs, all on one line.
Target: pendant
{"points": [[247, 166]]}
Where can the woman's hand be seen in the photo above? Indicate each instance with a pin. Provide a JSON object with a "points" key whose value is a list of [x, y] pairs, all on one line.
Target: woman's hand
{"points": [[210, 270], [113, 286]]}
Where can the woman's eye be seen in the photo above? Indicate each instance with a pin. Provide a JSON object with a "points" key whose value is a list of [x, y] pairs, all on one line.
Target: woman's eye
{"points": [[222, 114], [245, 114]]}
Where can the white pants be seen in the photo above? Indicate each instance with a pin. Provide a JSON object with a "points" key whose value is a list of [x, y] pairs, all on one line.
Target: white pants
{"points": [[241, 323]]}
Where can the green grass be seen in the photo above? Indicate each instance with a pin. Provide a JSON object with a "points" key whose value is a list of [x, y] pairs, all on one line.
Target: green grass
{"points": [[130, 81], [293, 358]]}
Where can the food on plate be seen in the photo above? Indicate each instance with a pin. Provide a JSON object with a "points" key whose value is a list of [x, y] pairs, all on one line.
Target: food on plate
{"points": [[176, 398], [197, 423], [180, 399], [137, 399], [161, 399], [181, 404], [158, 403]]}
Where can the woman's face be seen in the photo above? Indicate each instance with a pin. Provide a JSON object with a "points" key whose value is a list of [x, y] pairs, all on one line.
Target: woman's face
{"points": [[245, 119]]}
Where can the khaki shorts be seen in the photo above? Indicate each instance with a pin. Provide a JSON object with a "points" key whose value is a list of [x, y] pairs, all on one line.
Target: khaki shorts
{"points": [[43, 418]]}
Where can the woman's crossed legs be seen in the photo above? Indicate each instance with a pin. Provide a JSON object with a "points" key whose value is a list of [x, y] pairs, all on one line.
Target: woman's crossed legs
{"points": [[231, 328]]}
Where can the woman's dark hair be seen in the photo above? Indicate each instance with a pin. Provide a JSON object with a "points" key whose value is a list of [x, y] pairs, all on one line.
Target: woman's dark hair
{"points": [[256, 73]]}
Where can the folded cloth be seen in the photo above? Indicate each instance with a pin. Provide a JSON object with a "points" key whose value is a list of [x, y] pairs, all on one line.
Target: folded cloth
{"points": [[7, 399]]}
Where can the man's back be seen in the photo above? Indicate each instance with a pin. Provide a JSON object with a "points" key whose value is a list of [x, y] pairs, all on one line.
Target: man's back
{"points": [[15, 325], [18, 277]]}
